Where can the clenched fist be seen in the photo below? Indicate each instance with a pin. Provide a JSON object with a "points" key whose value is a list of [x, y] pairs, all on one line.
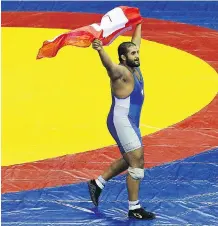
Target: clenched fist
{"points": [[97, 45]]}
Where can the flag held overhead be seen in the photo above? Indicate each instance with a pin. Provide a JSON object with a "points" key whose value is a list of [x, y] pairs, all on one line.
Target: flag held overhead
{"points": [[113, 23]]}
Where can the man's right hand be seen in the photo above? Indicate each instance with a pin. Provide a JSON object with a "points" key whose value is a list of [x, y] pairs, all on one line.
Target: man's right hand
{"points": [[97, 45]]}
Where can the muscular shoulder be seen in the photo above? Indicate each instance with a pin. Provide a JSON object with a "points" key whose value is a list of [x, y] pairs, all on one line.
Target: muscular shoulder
{"points": [[117, 72]]}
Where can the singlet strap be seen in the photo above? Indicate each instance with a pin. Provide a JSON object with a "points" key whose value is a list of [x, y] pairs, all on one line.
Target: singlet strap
{"points": [[140, 74]]}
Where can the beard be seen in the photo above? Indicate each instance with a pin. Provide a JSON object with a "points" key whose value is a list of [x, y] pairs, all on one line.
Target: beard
{"points": [[133, 63]]}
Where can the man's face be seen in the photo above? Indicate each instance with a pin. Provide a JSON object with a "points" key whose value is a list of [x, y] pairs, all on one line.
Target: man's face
{"points": [[132, 57]]}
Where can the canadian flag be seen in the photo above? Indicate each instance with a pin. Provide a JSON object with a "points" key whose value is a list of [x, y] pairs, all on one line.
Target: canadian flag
{"points": [[113, 24]]}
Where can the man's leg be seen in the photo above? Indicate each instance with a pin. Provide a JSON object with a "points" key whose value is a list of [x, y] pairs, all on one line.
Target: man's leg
{"points": [[135, 160], [117, 167], [96, 186]]}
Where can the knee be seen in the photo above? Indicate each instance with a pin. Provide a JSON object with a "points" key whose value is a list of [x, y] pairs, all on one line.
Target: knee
{"points": [[138, 163], [141, 162], [136, 173]]}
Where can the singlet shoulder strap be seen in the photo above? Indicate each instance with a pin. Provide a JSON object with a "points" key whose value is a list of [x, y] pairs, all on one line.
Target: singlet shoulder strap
{"points": [[139, 71]]}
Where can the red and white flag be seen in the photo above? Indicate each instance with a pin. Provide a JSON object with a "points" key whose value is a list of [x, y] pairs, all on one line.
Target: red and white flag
{"points": [[113, 24]]}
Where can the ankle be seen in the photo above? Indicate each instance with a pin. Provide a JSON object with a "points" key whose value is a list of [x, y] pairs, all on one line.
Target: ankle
{"points": [[100, 182], [134, 205]]}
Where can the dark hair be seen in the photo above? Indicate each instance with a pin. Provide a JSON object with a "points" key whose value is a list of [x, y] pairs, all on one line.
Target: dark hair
{"points": [[123, 49]]}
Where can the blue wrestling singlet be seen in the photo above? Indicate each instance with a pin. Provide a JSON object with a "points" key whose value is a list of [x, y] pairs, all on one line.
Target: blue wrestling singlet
{"points": [[124, 117]]}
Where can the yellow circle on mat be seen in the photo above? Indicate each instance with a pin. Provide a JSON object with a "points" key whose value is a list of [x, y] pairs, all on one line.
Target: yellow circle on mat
{"points": [[58, 106]]}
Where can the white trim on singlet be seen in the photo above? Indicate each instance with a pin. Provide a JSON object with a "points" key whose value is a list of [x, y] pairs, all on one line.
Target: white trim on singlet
{"points": [[125, 132], [121, 106]]}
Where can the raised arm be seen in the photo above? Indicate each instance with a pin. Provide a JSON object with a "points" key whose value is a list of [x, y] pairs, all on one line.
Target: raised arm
{"points": [[112, 68], [136, 37]]}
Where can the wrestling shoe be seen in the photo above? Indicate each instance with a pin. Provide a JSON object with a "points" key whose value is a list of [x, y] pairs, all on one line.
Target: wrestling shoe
{"points": [[141, 214], [94, 191]]}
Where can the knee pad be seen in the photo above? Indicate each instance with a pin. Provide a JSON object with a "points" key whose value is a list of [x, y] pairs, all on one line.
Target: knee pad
{"points": [[136, 173]]}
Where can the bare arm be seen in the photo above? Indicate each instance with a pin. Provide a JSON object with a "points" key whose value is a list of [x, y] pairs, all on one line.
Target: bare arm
{"points": [[106, 60], [112, 68], [136, 37]]}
